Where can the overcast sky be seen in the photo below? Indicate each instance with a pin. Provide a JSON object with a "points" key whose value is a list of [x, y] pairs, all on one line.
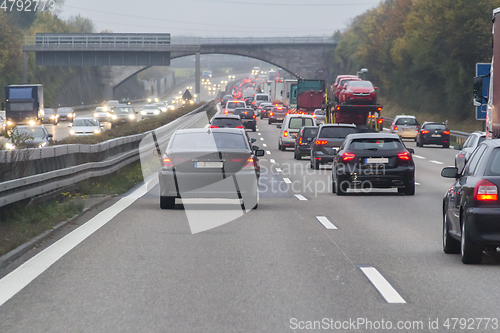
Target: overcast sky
{"points": [[220, 18]]}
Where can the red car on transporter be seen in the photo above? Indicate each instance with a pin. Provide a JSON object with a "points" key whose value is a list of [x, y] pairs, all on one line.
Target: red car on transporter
{"points": [[358, 93]]}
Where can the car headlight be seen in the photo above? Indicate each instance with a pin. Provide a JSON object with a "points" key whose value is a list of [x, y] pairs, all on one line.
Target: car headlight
{"points": [[97, 131], [72, 132], [9, 123], [349, 91], [53, 117], [191, 102], [372, 91], [70, 115], [31, 122], [143, 112], [156, 100], [149, 100], [10, 146], [131, 116], [43, 144], [96, 115], [157, 112], [114, 116]]}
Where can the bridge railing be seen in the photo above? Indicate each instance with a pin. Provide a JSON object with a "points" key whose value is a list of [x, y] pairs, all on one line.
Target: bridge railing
{"points": [[181, 40]]}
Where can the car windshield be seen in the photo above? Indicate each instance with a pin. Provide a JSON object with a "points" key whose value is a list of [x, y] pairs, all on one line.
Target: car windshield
{"points": [[296, 122], [123, 110], [407, 121], [85, 122], [205, 140], [375, 144], [336, 132], [360, 84], [481, 139], [20, 106], [99, 109], [234, 105], [35, 132], [435, 126], [49, 111], [65, 110], [345, 81], [150, 107], [319, 113], [494, 167]]}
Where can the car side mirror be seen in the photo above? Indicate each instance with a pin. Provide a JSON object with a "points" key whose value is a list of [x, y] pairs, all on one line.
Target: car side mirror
{"points": [[253, 140], [411, 150], [101, 125], [50, 136], [450, 172], [260, 152], [278, 126], [255, 148], [458, 147]]}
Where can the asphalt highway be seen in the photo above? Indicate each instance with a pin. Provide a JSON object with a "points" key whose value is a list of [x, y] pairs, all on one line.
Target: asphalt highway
{"points": [[306, 260]]}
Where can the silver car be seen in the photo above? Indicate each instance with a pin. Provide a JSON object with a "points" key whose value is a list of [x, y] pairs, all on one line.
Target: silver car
{"points": [[468, 147], [406, 127], [320, 116]]}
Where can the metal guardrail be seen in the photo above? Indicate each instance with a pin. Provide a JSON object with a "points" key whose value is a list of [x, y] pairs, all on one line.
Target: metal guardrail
{"points": [[111, 155], [456, 136], [182, 40]]}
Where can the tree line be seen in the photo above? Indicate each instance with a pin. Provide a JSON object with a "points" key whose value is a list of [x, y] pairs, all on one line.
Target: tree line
{"points": [[420, 53]]}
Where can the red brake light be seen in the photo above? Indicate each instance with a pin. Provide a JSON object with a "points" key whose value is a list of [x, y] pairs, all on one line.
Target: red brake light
{"points": [[395, 128], [380, 121], [424, 132], [213, 126], [314, 116], [270, 113], [404, 156], [379, 108], [240, 126], [485, 191], [348, 156], [321, 142], [166, 163], [285, 134], [249, 164], [446, 132], [300, 141]]}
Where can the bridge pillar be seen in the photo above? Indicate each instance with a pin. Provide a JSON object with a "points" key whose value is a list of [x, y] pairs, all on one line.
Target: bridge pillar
{"points": [[197, 76], [107, 91], [25, 67]]}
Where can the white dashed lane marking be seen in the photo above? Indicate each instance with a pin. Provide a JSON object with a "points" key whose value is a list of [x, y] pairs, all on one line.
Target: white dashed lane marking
{"points": [[264, 145], [268, 152], [419, 157], [384, 288], [272, 161], [287, 180], [300, 197], [261, 139], [278, 170], [326, 222], [436, 162]]}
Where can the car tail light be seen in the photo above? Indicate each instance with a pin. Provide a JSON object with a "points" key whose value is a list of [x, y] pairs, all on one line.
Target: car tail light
{"points": [[166, 163], [424, 132], [213, 126], [254, 117], [314, 116], [300, 141], [379, 108], [380, 121], [321, 142], [446, 132], [485, 191], [240, 126], [270, 113], [395, 128], [225, 111], [249, 164], [348, 156], [285, 134], [246, 113], [404, 156]]}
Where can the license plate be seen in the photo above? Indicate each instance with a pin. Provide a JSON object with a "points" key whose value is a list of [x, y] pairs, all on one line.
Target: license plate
{"points": [[436, 135], [208, 165], [279, 118], [407, 129], [377, 160]]}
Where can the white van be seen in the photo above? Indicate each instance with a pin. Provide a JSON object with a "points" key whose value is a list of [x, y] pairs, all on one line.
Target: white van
{"points": [[290, 127], [231, 105], [260, 98]]}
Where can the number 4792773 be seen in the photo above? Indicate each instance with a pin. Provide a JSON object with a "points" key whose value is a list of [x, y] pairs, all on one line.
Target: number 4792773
{"points": [[28, 5]]}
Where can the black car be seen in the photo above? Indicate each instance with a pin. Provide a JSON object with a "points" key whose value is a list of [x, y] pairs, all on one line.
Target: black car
{"points": [[50, 116], [32, 136], [224, 100], [471, 209], [226, 121], [264, 110], [373, 160], [197, 163], [303, 141], [327, 142], [248, 118], [433, 133], [277, 114], [66, 113], [123, 113]]}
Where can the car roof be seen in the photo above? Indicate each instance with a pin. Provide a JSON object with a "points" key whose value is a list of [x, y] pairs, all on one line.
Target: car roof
{"points": [[338, 125], [127, 106], [205, 130], [295, 115], [30, 126], [86, 118], [373, 136], [405, 116]]}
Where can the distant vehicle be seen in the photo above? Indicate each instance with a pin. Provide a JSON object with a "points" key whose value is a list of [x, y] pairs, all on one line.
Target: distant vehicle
{"points": [[303, 141], [260, 98], [227, 121], [264, 109], [85, 126], [328, 141], [319, 115], [38, 137], [474, 140], [123, 113], [471, 208], [292, 123], [224, 100], [406, 127], [339, 84], [206, 74], [50, 116], [200, 158], [276, 115], [24, 104], [358, 93], [161, 106], [149, 111], [359, 159], [247, 117], [433, 133], [66, 113], [103, 113], [231, 105], [111, 104], [152, 99]]}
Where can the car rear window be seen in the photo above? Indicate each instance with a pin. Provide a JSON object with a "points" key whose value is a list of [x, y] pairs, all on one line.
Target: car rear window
{"points": [[241, 112], [205, 140], [310, 132], [296, 123], [234, 105], [221, 122], [336, 132], [407, 121], [375, 144], [494, 167], [262, 98], [435, 126]]}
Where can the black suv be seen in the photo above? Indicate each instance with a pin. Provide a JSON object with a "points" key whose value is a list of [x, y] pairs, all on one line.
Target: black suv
{"points": [[304, 140], [328, 140], [248, 118], [226, 121], [433, 133]]}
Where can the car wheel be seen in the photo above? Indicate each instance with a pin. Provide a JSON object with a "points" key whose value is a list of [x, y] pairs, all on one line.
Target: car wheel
{"points": [[283, 148], [167, 202], [261, 117], [269, 121], [299, 156], [446, 145], [334, 186], [279, 145], [450, 244], [409, 189], [471, 253], [294, 154], [254, 129], [341, 187]]}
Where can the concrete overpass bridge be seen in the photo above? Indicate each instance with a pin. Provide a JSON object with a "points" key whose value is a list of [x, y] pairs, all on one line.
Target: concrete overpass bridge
{"points": [[124, 55]]}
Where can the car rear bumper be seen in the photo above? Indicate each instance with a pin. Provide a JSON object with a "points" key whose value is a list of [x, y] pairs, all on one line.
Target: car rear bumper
{"points": [[360, 100], [396, 178], [407, 134], [484, 225], [435, 141]]}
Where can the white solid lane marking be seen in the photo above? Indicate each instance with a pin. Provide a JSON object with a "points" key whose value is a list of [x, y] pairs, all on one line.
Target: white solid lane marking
{"points": [[272, 161], [384, 288], [287, 180], [268, 152], [15, 281], [261, 139], [436, 162], [326, 222], [418, 156], [278, 170], [300, 197]]}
